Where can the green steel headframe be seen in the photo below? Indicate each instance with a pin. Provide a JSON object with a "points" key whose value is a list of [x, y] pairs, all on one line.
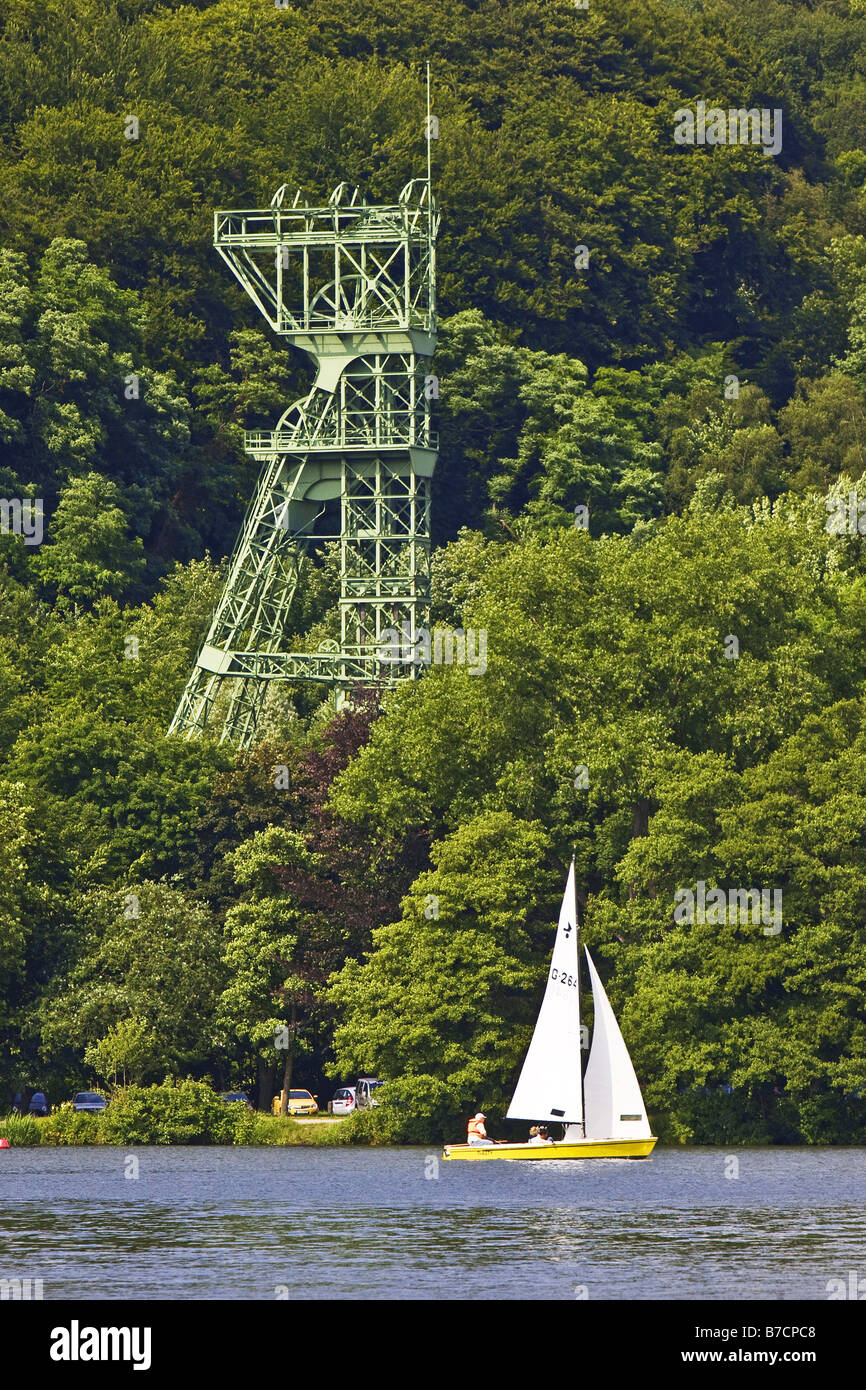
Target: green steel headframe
{"points": [[353, 285]]}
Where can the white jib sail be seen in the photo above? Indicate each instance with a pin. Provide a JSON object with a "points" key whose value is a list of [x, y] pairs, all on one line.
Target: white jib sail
{"points": [[614, 1104], [549, 1085]]}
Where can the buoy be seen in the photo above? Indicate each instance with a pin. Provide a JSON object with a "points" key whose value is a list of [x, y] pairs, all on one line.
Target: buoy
{"points": [[4, 1143]]}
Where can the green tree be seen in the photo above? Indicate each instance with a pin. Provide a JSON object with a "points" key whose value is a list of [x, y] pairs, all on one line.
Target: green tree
{"points": [[89, 553], [825, 427], [149, 954], [447, 991], [267, 1003], [127, 1050]]}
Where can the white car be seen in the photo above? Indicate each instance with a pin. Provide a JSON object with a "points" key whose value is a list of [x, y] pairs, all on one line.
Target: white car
{"points": [[365, 1092], [344, 1101]]}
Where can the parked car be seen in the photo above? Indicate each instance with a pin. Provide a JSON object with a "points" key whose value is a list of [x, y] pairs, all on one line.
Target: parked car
{"points": [[230, 1096], [38, 1104], [365, 1092], [344, 1101], [302, 1103], [89, 1102]]}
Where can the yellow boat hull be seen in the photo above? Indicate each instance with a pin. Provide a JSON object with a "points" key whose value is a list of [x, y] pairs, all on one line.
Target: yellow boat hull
{"points": [[573, 1148]]}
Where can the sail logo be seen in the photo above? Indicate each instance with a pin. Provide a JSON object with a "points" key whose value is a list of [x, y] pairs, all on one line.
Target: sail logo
{"points": [[736, 907], [732, 127], [77, 1343], [443, 647]]}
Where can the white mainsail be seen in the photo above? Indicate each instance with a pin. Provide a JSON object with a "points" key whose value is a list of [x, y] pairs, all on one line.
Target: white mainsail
{"points": [[549, 1085], [614, 1104]]}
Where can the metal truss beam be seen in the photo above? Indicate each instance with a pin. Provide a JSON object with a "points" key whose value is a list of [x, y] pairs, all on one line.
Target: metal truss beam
{"points": [[352, 285]]}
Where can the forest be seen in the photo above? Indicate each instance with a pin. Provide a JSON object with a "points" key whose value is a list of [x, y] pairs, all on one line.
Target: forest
{"points": [[673, 693]]}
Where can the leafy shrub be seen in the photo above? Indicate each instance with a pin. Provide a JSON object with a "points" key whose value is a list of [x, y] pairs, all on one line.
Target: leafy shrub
{"points": [[22, 1131], [355, 1129], [413, 1110], [832, 1118], [68, 1126], [712, 1116], [251, 1128], [186, 1112]]}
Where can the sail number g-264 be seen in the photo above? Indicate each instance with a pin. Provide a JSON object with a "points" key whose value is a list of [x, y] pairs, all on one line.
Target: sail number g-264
{"points": [[563, 979]]}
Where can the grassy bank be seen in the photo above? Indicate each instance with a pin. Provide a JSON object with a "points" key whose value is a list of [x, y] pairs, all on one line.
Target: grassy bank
{"points": [[190, 1113], [64, 1127]]}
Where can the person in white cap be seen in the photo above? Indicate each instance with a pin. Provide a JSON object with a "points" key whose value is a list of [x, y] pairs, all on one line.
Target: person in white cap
{"points": [[477, 1134]]}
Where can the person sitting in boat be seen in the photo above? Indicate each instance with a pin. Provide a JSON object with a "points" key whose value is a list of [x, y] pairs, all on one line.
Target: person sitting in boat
{"points": [[476, 1133], [539, 1134]]}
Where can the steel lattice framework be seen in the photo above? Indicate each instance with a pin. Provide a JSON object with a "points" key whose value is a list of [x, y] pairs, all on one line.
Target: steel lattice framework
{"points": [[353, 285]]}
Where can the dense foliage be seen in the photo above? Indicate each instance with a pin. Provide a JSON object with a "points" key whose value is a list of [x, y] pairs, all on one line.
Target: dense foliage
{"points": [[375, 891]]}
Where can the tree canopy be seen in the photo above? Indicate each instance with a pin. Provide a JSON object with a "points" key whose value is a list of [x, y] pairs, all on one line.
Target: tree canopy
{"points": [[652, 402]]}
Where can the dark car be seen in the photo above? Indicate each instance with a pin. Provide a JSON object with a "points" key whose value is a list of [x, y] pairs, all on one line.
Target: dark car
{"points": [[230, 1096], [89, 1102], [38, 1104]]}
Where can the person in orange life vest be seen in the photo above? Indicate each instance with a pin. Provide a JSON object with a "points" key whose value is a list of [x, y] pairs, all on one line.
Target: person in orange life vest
{"points": [[476, 1133]]}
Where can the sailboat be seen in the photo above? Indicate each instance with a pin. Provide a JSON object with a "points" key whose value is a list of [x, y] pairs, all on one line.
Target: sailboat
{"points": [[602, 1113]]}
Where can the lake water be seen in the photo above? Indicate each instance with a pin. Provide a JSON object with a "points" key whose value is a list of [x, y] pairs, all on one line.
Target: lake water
{"points": [[259, 1223]]}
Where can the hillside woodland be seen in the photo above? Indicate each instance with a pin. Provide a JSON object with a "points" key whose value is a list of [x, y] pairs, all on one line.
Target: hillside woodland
{"points": [[673, 693]]}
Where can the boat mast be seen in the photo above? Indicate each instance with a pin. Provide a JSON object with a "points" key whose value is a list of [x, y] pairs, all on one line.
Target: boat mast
{"points": [[582, 1024]]}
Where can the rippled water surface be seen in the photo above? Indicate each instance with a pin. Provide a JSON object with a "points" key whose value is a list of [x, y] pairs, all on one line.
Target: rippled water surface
{"points": [[392, 1223]]}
